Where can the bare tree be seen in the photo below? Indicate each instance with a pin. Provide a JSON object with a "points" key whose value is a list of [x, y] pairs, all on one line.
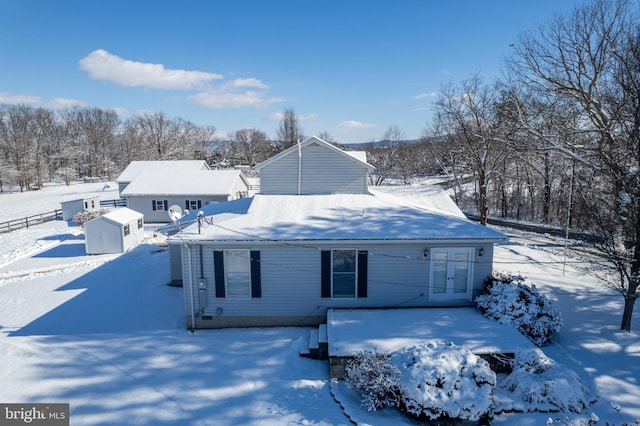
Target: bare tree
{"points": [[591, 60], [467, 117], [384, 155], [249, 147], [289, 131]]}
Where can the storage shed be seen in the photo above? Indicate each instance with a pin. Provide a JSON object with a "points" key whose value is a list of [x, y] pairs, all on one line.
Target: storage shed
{"points": [[115, 232], [71, 207]]}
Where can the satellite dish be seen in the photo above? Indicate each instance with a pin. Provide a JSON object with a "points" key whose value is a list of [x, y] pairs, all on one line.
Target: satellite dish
{"points": [[175, 213]]}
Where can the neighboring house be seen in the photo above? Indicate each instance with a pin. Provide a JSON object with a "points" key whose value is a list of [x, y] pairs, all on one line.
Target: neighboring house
{"points": [[115, 232], [316, 238], [171, 167], [153, 191], [71, 207]]}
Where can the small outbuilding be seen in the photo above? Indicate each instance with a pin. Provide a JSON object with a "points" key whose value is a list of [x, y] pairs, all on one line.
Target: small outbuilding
{"points": [[115, 232], [71, 207]]}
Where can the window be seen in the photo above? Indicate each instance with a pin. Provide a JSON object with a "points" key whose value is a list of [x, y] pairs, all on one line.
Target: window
{"points": [[127, 231], [237, 273], [451, 273], [344, 273], [343, 267], [193, 205], [159, 204], [139, 223]]}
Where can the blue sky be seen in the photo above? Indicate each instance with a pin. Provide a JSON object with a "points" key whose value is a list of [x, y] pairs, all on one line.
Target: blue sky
{"points": [[349, 68]]}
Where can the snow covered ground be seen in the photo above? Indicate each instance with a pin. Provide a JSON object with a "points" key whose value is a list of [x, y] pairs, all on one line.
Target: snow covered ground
{"points": [[106, 334]]}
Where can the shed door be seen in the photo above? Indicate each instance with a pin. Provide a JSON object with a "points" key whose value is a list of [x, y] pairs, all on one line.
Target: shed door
{"points": [[451, 273]]}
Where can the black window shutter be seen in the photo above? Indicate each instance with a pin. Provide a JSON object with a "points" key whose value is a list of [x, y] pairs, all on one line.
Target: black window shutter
{"points": [[218, 266], [363, 258], [256, 284], [186, 204], [199, 203], [166, 205], [153, 204], [325, 273]]}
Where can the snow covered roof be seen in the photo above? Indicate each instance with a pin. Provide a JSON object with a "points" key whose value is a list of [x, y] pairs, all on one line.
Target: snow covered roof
{"points": [[378, 216], [76, 200], [188, 182], [358, 157], [121, 216], [168, 166]]}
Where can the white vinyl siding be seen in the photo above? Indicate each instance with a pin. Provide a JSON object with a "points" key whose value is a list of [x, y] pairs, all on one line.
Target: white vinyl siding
{"points": [[322, 171], [291, 281]]}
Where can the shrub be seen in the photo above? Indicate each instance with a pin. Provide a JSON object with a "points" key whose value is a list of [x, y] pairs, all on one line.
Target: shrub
{"points": [[509, 300], [85, 216], [372, 374], [538, 383], [440, 379]]}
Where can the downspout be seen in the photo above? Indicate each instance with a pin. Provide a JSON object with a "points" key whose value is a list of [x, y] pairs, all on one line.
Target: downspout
{"points": [[191, 296], [299, 167]]}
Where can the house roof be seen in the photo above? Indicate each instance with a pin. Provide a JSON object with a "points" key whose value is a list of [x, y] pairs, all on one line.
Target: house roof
{"points": [[374, 216], [185, 183], [121, 216], [358, 157], [168, 166]]}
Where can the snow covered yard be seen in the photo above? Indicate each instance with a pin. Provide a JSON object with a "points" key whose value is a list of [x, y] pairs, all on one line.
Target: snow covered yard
{"points": [[107, 335]]}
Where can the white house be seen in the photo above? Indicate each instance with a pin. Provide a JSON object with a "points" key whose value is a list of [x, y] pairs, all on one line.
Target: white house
{"points": [[171, 167], [317, 237], [153, 191], [115, 232], [71, 207]]}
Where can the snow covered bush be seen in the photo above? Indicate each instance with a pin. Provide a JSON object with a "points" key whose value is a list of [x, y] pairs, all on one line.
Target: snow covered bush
{"points": [[509, 300], [372, 374], [538, 383], [85, 216], [439, 379]]}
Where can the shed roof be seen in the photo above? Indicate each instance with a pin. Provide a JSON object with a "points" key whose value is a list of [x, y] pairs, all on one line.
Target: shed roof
{"points": [[121, 216], [168, 166], [374, 216], [75, 200], [185, 183]]}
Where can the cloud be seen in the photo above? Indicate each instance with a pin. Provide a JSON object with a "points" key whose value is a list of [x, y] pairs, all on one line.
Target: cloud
{"points": [[353, 124], [6, 98], [224, 97], [425, 95], [102, 65], [277, 116], [57, 103], [247, 82]]}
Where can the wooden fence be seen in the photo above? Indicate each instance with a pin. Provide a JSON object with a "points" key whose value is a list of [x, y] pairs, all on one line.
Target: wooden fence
{"points": [[26, 222], [120, 202]]}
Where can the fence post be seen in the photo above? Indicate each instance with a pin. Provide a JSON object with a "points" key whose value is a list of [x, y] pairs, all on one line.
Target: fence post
{"points": [[26, 221]]}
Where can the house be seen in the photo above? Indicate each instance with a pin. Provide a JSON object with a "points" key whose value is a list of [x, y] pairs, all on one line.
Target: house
{"points": [[153, 191], [172, 167], [71, 207], [316, 237], [115, 232]]}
